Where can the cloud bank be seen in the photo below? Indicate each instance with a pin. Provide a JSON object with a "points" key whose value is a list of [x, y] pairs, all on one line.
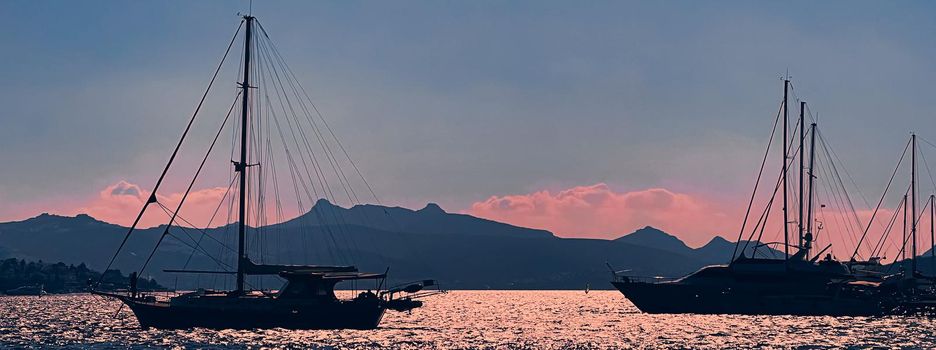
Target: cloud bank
{"points": [[120, 203], [597, 211]]}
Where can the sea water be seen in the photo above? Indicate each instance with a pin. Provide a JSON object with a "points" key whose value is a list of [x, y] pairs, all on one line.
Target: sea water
{"points": [[466, 320]]}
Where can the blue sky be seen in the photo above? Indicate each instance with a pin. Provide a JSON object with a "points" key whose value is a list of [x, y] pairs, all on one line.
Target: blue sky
{"points": [[456, 101]]}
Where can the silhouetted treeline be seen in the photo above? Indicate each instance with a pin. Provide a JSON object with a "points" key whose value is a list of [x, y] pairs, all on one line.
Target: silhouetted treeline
{"points": [[61, 278]]}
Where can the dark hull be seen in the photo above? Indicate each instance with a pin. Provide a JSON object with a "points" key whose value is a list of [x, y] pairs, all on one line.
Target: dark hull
{"points": [[258, 314], [659, 298]]}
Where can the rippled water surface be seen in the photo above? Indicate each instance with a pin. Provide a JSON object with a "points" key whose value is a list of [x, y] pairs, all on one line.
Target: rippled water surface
{"points": [[469, 319]]}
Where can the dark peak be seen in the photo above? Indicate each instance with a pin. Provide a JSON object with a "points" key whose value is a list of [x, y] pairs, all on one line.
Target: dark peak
{"points": [[649, 229], [85, 218], [323, 203], [718, 240], [432, 208], [652, 237], [47, 216]]}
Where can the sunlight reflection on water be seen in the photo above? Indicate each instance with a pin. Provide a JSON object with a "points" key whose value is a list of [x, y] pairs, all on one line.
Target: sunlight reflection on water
{"points": [[468, 319]]}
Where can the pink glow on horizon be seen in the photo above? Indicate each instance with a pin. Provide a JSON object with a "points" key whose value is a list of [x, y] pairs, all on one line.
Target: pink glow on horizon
{"points": [[597, 211], [594, 211], [121, 202]]}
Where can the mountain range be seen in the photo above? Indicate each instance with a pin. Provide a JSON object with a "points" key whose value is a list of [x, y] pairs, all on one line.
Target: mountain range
{"points": [[461, 251]]}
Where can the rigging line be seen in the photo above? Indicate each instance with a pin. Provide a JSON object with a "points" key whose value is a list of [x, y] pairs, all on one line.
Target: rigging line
{"points": [[289, 157], [928, 172], [204, 233], [760, 172], [780, 178], [167, 233], [833, 156], [299, 146], [277, 204], [227, 229], [879, 245], [292, 167], [761, 221], [329, 155], [195, 177], [840, 204], [926, 141], [903, 246], [216, 261], [296, 180], [839, 207], [315, 163], [845, 170], [876, 208], [187, 234], [324, 122], [294, 171], [841, 183], [343, 179], [900, 204], [152, 198], [308, 146]]}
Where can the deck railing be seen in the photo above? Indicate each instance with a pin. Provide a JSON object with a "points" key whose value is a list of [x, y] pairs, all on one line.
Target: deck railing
{"points": [[642, 279]]}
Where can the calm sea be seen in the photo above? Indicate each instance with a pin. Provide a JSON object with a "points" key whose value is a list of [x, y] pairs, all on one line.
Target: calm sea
{"points": [[468, 320]]}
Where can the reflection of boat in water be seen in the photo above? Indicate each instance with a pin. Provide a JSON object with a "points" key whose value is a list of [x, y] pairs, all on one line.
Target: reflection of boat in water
{"points": [[800, 283], [35, 290], [308, 299]]}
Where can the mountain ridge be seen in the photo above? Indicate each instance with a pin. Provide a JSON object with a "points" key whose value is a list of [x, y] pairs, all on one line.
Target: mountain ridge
{"points": [[462, 251]]}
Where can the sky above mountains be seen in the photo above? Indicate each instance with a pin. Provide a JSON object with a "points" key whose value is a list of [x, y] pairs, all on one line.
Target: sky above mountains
{"points": [[587, 119]]}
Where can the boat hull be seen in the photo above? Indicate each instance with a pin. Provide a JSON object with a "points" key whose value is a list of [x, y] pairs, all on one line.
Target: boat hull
{"points": [[661, 298], [254, 314]]}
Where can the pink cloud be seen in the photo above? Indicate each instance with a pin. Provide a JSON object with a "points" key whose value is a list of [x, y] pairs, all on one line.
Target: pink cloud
{"points": [[120, 203], [597, 211]]}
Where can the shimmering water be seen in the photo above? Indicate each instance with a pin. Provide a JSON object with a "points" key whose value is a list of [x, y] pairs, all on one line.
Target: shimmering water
{"points": [[469, 319]]}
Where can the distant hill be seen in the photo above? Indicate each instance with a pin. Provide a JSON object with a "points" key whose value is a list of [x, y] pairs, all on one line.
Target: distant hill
{"points": [[462, 251], [716, 251], [430, 220], [653, 237]]}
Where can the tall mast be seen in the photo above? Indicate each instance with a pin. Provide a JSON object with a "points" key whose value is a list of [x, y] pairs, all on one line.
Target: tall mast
{"points": [[913, 216], [933, 233], [241, 167], [903, 236], [809, 212], [786, 218], [802, 138]]}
